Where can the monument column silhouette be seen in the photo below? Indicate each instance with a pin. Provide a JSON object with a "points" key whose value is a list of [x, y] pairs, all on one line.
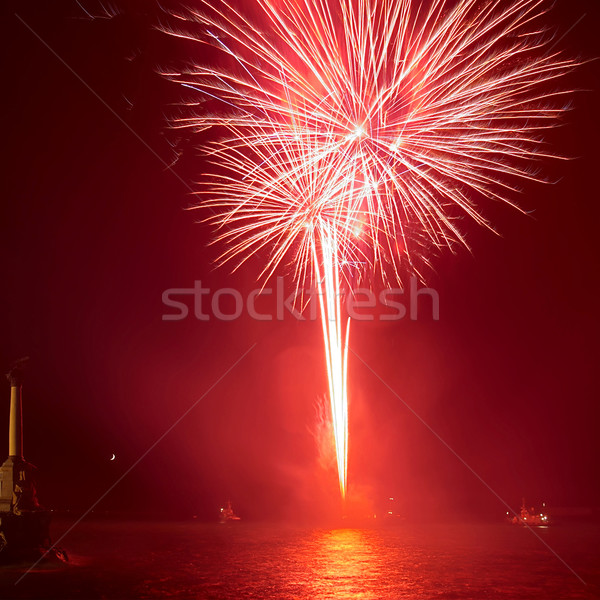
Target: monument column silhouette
{"points": [[15, 432], [24, 524]]}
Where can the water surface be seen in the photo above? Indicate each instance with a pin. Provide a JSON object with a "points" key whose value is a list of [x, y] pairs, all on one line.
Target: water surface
{"points": [[111, 559]]}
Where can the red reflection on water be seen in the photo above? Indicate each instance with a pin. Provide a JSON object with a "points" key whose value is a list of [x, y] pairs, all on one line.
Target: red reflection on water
{"points": [[345, 563]]}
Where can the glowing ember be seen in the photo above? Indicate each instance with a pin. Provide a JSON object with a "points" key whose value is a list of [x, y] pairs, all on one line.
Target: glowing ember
{"points": [[384, 119]]}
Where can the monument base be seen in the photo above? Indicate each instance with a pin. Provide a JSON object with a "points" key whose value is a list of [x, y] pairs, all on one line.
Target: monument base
{"points": [[25, 536]]}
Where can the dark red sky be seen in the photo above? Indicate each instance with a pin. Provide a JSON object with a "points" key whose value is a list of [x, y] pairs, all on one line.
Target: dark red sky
{"points": [[93, 230]]}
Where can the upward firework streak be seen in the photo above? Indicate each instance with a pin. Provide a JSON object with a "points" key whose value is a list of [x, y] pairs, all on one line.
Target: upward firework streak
{"points": [[354, 127]]}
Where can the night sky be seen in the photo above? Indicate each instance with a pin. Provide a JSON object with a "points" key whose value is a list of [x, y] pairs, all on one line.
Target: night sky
{"points": [[94, 228]]}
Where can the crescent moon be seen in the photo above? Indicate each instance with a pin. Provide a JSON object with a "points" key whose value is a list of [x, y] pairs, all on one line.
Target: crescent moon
{"points": [[113, 457]]}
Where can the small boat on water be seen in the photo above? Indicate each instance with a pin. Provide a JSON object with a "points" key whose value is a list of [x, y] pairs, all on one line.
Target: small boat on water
{"points": [[529, 517], [227, 514]]}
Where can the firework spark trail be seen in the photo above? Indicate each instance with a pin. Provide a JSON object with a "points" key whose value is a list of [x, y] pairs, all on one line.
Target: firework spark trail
{"points": [[391, 118], [336, 345]]}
